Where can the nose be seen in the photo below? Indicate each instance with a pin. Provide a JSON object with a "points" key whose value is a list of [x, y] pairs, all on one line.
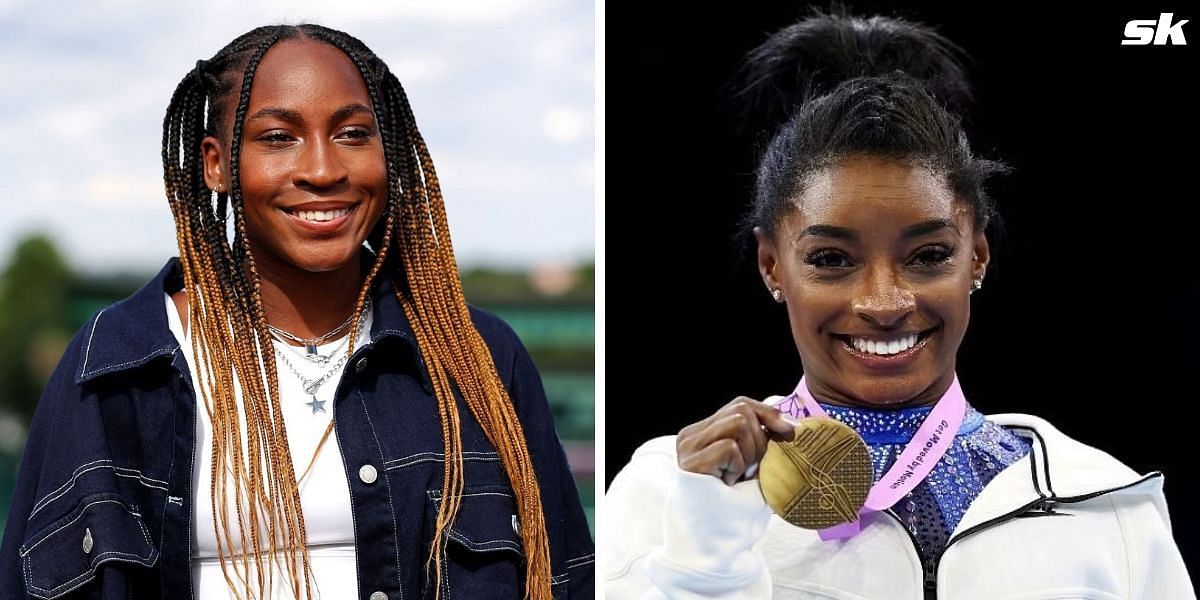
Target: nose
{"points": [[884, 299], [319, 166]]}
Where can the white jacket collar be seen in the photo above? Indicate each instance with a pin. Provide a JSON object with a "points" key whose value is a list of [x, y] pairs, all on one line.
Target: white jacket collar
{"points": [[1057, 470]]}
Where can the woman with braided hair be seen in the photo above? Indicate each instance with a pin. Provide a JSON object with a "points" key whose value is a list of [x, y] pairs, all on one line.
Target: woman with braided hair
{"points": [[285, 412]]}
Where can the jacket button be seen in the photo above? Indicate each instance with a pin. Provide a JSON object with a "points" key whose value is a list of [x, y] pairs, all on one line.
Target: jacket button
{"points": [[379, 596], [87, 540], [359, 367], [367, 474]]}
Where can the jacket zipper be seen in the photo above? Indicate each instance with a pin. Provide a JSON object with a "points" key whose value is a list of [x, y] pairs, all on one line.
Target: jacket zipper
{"points": [[930, 567]]}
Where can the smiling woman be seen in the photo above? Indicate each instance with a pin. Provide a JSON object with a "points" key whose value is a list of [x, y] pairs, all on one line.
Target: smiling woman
{"points": [[208, 397], [874, 258], [875, 477]]}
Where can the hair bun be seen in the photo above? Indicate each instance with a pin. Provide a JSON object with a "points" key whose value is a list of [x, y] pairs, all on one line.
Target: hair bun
{"points": [[813, 56]]}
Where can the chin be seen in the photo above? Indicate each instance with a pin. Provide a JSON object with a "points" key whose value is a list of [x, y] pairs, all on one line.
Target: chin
{"points": [[884, 392], [326, 261]]}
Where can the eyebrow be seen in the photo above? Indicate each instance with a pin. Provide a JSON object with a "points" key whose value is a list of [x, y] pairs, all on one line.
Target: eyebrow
{"points": [[284, 114], [350, 110], [843, 233], [927, 227], [840, 233], [292, 116]]}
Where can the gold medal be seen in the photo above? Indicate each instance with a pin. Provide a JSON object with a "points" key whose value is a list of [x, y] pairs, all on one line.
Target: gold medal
{"points": [[820, 478]]}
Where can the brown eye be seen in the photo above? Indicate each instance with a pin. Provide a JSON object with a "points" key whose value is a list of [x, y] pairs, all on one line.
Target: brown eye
{"points": [[356, 133], [932, 255], [275, 138], [828, 259]]}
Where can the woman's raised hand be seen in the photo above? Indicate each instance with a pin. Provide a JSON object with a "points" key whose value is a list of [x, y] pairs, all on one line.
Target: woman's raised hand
{"points": [[729, 444]]}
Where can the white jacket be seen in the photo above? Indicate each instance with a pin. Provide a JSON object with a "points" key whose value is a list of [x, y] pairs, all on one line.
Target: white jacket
{"points": [[1066, 521]]}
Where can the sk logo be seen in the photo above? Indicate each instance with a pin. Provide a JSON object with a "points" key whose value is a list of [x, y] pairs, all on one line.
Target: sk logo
{"points": [[1159, 33]]}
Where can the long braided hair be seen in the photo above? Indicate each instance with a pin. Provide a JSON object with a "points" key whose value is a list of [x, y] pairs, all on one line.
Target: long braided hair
{"points": [[231, 343]]}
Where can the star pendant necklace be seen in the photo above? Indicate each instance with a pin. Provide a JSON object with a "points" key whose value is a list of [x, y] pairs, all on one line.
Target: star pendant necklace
{"points": [[311, 386]]}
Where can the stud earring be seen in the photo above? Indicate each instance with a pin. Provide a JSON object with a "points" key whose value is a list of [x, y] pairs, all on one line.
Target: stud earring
{"points": [[777, 294]]}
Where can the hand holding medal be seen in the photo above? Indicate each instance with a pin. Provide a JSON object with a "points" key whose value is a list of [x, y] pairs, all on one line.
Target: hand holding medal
{"points": [[731, 442], [822, 478]]}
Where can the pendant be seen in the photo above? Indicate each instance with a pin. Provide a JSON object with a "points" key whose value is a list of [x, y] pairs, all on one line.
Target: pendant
{"points": [[311, 387], [317, 405], [819, 479], [312, 350], [317, 359]]}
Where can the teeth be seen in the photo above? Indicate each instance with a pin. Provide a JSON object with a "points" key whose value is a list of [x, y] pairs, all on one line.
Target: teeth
{"points": [[884, 347], [322, 215]]}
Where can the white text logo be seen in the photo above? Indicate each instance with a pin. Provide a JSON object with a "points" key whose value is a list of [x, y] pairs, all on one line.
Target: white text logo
{"points": [[1160, 33]]}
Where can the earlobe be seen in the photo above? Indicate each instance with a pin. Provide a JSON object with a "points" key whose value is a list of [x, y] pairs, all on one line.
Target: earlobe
{"points": [[767, 262], [210, 150], [979, 261]]}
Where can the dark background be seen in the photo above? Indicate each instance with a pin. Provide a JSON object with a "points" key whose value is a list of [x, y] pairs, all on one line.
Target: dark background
{"points": [[1088, 317]]}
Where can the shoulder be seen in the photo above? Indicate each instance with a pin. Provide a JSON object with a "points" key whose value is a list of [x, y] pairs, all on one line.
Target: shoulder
{"points": [[1072, 471], [656, 450], [509, 354], [127, 333], [496, 333], [652, 466], [1070, 461]]}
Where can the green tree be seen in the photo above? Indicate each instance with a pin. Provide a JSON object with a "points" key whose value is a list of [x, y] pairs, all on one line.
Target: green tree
{"points": [[33, 322]]}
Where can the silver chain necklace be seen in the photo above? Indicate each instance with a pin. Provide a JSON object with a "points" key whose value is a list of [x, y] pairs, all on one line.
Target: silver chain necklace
{"points": [[310, 344], [315, 358], [311, 386]]}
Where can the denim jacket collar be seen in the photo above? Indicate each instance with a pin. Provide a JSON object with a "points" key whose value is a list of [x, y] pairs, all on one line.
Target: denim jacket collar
{"points": [[134, 332]]}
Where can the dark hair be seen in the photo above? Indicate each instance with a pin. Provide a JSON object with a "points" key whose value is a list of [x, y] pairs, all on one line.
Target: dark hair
{"points": [[875, 86], [413, 249]]}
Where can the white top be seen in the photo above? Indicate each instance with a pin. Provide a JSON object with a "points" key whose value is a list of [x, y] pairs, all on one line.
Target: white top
{"points": [[324, 492], [1106, 536]]}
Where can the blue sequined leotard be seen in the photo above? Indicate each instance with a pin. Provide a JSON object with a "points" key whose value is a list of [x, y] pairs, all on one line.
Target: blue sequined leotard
{"points": [[934, 508]]}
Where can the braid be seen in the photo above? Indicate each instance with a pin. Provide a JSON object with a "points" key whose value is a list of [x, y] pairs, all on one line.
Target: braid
{"points": [[229, 335], [231, 343], [455, 353]]}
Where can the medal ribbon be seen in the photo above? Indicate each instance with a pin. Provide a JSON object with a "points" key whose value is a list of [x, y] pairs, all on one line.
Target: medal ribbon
{"points": [[928, 445]]}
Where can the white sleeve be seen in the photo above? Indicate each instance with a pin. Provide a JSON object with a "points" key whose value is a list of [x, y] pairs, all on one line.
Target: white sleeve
{"points": [[1156, 567], [674, 534]]}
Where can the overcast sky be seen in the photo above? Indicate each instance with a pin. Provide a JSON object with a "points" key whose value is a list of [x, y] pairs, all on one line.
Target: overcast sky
{"points": [[502, 91]]}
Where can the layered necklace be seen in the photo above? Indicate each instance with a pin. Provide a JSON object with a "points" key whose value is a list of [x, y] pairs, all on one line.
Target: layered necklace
{"points": [[310, 344], [311, 355]]}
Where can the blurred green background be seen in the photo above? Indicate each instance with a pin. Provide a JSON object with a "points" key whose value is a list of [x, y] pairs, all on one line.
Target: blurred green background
{"points": [[43, 301]]}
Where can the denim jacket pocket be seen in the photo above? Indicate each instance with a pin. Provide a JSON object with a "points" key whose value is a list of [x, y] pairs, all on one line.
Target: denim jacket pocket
{"points": [[67, 554], [484, 557]]}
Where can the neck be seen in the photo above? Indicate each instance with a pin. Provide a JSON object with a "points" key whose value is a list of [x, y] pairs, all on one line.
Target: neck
{"points": [[827, 394], [307, 304]]}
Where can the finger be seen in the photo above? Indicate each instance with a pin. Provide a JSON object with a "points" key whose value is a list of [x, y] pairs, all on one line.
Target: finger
{"points": [[754, 437], [769, 416], [722, 460], [731, 472], [697, 435], [739, 425], [778, 425]]}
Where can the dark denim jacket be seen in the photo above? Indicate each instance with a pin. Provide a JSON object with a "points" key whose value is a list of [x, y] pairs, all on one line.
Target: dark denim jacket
{"points": [[103, 501]]}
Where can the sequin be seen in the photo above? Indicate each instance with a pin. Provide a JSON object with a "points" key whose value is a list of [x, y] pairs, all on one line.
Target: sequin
{"points": [[936, 506]]}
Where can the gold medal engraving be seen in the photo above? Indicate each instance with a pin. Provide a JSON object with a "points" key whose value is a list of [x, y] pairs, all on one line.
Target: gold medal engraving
{"points": [[820, 478]]}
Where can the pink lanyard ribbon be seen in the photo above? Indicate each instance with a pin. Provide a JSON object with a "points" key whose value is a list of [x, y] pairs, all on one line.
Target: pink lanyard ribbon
{"points": [[928, 445]]}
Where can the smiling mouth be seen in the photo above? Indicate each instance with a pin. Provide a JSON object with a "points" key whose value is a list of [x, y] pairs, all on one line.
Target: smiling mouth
{"points": [[320, 216], [885, 346]]}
